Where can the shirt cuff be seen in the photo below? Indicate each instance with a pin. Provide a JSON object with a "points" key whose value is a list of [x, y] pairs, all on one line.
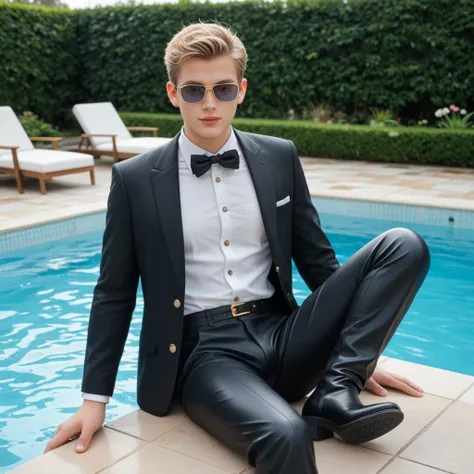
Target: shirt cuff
{"points": [[95, 398]]}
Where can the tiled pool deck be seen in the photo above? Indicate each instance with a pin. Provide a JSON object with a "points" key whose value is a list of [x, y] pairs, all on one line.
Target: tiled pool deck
{"points": [[437, 435]]}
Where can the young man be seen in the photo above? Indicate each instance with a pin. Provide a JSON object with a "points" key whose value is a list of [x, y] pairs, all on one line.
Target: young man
{"points": [[211, 223]]}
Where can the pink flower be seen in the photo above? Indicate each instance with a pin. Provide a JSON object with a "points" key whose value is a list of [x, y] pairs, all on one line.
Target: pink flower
{"points": [[453, 108]]}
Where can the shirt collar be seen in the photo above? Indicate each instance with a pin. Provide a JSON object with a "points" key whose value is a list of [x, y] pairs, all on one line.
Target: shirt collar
{"points": [[187, 148]]}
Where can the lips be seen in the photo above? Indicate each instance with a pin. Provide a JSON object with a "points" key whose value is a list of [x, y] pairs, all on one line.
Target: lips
{"points": [[209, 120]]}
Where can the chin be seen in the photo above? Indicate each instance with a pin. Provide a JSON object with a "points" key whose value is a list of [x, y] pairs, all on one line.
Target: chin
{"points": [[212, 132]]}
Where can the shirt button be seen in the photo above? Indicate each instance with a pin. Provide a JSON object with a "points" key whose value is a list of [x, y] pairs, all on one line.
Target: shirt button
{"points": [[218, 180], [236, 298], [172, 348], [177, 304], [225, 209], [226, 243], [230, 272], [277, 269]]}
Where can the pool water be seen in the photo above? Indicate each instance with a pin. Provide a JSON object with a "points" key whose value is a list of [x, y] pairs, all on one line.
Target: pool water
{"points": [[46, 293]]}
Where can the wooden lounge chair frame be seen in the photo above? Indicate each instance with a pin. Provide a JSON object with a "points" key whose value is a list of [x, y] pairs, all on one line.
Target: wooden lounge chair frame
{"points": [[42, 177], [114, 153]]}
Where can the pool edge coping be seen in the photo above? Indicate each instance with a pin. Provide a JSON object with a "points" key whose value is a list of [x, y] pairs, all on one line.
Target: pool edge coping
{"points": [[423, 201]]}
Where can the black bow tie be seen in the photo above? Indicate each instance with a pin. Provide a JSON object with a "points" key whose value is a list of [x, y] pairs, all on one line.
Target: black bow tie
{"points": [[201, 164]]}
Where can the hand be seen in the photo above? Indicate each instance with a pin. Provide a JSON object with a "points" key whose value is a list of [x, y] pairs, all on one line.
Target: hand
{"points": [[382, 378], [86, 421]]}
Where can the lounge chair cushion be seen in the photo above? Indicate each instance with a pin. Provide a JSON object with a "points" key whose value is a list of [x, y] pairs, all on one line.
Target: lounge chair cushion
{"points": [[47, 161], [135, 145], [101, 117], [12, 132]]}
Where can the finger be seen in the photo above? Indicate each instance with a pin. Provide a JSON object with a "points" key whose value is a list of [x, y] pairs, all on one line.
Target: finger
{"points": [[376, 388], [85, 438], [65, 433], [408, 382], [402, 386]]}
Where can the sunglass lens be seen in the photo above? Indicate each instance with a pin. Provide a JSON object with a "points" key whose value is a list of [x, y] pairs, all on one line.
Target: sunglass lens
{"points": [[226, 92], [193, 94]]}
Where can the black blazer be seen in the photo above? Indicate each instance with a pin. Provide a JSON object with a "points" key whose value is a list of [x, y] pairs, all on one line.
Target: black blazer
{"points": [[143, 238]]}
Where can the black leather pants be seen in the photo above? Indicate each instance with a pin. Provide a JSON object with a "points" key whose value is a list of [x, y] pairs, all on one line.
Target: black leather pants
{"points": [[242, 373]]}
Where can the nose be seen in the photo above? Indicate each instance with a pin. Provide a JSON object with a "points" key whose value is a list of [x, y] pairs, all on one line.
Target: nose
{"points": [[209, 101]]}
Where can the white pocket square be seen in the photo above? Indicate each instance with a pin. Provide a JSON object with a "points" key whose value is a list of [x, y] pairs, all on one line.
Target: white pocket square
{"points": [[283, 201]]}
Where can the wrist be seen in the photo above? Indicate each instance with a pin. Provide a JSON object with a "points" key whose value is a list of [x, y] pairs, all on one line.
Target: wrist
{"points": [[93, 403]]}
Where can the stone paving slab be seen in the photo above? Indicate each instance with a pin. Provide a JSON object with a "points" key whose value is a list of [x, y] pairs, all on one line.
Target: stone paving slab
{"points": [[381, 182]]}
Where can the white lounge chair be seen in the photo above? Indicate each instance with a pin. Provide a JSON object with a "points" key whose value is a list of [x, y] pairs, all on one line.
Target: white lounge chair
{"points": [[106, 134], [19, 157]]}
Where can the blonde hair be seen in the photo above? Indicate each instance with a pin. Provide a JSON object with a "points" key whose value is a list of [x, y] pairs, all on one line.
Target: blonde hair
{"points": [[203, 40]]}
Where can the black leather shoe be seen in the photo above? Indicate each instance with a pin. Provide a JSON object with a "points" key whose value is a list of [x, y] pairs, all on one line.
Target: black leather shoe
{"points": [[340, 411]]}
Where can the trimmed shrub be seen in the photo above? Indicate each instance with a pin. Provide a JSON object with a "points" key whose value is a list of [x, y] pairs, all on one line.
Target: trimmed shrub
{"points": [[384, 144]]}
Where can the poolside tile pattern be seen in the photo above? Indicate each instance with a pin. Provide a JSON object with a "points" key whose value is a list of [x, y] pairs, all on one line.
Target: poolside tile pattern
{"points": [[442, 383], [448, 443], [436, 435], [155, 459], [355, 180], [147, 427], [107, 447], [468, 396], [419, 412], [191, 440], [407, 467]]}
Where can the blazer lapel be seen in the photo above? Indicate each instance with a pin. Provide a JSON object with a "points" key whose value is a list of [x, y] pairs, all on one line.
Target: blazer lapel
{"points": [[260, 168], [165, 180]]}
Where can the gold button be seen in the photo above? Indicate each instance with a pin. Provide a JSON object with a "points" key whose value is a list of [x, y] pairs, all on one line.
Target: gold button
{"points": [[177, 304], [218, 180], [277, 269], [230, 272], [226, 243], [225, 209], [172, 348], [236, 298]]}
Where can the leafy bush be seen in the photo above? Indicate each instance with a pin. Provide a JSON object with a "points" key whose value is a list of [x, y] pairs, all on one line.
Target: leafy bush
{"points": [[35, 127], [418, 145]]}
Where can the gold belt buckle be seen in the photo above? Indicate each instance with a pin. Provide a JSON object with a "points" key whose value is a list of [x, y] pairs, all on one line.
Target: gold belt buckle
{"points": [[233, 309]]}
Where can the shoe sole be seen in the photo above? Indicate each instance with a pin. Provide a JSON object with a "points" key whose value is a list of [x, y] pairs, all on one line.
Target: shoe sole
{"points": [[358, 431]]}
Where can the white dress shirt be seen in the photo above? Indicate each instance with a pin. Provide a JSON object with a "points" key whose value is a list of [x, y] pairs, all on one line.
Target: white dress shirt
{"points": [[227, 256]]}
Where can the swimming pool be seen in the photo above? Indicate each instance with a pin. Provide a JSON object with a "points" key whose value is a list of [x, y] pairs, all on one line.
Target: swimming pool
{"points": [[46, 292]]}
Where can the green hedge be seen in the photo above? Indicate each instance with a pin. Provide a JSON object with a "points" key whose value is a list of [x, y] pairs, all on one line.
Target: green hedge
{"points": [[411, 56], [400, 145], [38, 69]]}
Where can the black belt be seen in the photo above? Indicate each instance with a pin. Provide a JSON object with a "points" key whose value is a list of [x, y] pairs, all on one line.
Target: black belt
{"points": [[194, 321]]}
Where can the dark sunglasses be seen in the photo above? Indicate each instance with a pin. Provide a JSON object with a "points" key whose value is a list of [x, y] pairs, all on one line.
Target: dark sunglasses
{"points": [[194, 93]]}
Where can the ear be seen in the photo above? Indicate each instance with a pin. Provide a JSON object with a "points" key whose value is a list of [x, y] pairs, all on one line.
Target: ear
{"points": [[172, 94], [242, 91]]}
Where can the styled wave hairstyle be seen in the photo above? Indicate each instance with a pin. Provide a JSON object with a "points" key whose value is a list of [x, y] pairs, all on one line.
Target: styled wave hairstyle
{"points": [[203, 40]]}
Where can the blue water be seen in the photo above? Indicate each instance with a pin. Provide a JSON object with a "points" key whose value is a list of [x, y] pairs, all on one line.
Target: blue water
{"points": [[45, 298]]}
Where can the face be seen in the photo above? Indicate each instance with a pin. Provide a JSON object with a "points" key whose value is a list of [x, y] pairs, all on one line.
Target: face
{"points": [[209, 135]]}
